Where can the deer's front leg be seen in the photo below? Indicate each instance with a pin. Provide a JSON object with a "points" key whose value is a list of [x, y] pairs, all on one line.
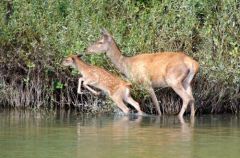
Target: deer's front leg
{"points": [[85, 84], [80, 80]]}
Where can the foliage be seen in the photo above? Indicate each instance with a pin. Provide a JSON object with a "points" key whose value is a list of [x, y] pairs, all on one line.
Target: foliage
{"points": [[36, 35]]}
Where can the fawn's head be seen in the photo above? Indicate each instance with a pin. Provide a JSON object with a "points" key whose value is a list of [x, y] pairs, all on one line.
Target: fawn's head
{"points": [[102, 45], [69, 60]]}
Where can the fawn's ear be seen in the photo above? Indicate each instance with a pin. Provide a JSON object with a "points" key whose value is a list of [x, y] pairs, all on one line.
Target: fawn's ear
{"points": [[104, 32], [79, 55]]}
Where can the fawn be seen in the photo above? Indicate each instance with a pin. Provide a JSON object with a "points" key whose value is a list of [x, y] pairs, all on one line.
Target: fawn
{"points": [[117, 89]]}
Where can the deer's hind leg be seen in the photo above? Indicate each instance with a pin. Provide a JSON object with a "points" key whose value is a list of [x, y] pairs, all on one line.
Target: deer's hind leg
{"points": [[130, 100], [90, 89], [187, 99], [118, 99], [175, 78], [187, 86], [87, 82], [188, 89]]}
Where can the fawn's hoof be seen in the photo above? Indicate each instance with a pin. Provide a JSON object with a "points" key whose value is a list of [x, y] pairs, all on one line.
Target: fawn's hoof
{"points": [[141, 113]]}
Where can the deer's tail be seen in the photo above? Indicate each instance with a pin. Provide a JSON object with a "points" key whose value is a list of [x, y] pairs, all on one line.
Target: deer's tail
{"points": [[193, 69]]}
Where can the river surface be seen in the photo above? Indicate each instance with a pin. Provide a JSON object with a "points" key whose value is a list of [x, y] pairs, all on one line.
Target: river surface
{"points": [[65, 135]]}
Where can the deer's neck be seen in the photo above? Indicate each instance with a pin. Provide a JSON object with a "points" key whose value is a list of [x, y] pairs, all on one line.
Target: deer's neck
{"points": [[80, 65], [118, 59]]}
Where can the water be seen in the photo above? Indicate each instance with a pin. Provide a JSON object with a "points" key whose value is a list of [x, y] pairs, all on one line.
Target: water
{"points": [[62, 135]]}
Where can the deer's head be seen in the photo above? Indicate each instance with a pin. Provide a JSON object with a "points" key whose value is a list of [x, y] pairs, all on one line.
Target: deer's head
{"points": [[102, 45], [69, 61]]}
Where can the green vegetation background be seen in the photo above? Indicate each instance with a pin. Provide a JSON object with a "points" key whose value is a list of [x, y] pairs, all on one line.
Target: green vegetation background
{"points": [[36, 35]]}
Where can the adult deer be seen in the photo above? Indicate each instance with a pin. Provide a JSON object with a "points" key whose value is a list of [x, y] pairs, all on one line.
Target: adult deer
{"points": [[166, 69], [117, 89]]}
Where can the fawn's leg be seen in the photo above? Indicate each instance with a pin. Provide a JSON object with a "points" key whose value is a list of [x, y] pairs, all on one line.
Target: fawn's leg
{"points": [[88, 82], [80, 80], [131, 101], [91, 90], [119, 101]]}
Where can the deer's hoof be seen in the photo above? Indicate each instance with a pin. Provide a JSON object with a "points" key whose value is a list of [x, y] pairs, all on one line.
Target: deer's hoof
{"points": [[80, 92]]}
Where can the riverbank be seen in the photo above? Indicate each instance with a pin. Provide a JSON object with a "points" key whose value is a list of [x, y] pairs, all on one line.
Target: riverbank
{"points": [[210, 98]]}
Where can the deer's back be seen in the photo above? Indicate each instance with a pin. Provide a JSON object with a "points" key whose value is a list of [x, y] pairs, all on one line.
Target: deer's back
{"points": [[107, 81], [154, 67]]}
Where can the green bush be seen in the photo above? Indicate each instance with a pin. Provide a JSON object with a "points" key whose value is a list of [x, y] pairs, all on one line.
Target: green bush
{"points": [[36, 35]]}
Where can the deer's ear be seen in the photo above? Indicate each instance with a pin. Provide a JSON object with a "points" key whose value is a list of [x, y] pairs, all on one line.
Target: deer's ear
{"points": [[79, 55], [104, 31], [70, 59], [101, 31], [106, 37]]}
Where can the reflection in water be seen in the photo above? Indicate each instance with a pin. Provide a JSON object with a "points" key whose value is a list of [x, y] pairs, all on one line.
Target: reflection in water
{"points": [[137, 136], [65, 134]]}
